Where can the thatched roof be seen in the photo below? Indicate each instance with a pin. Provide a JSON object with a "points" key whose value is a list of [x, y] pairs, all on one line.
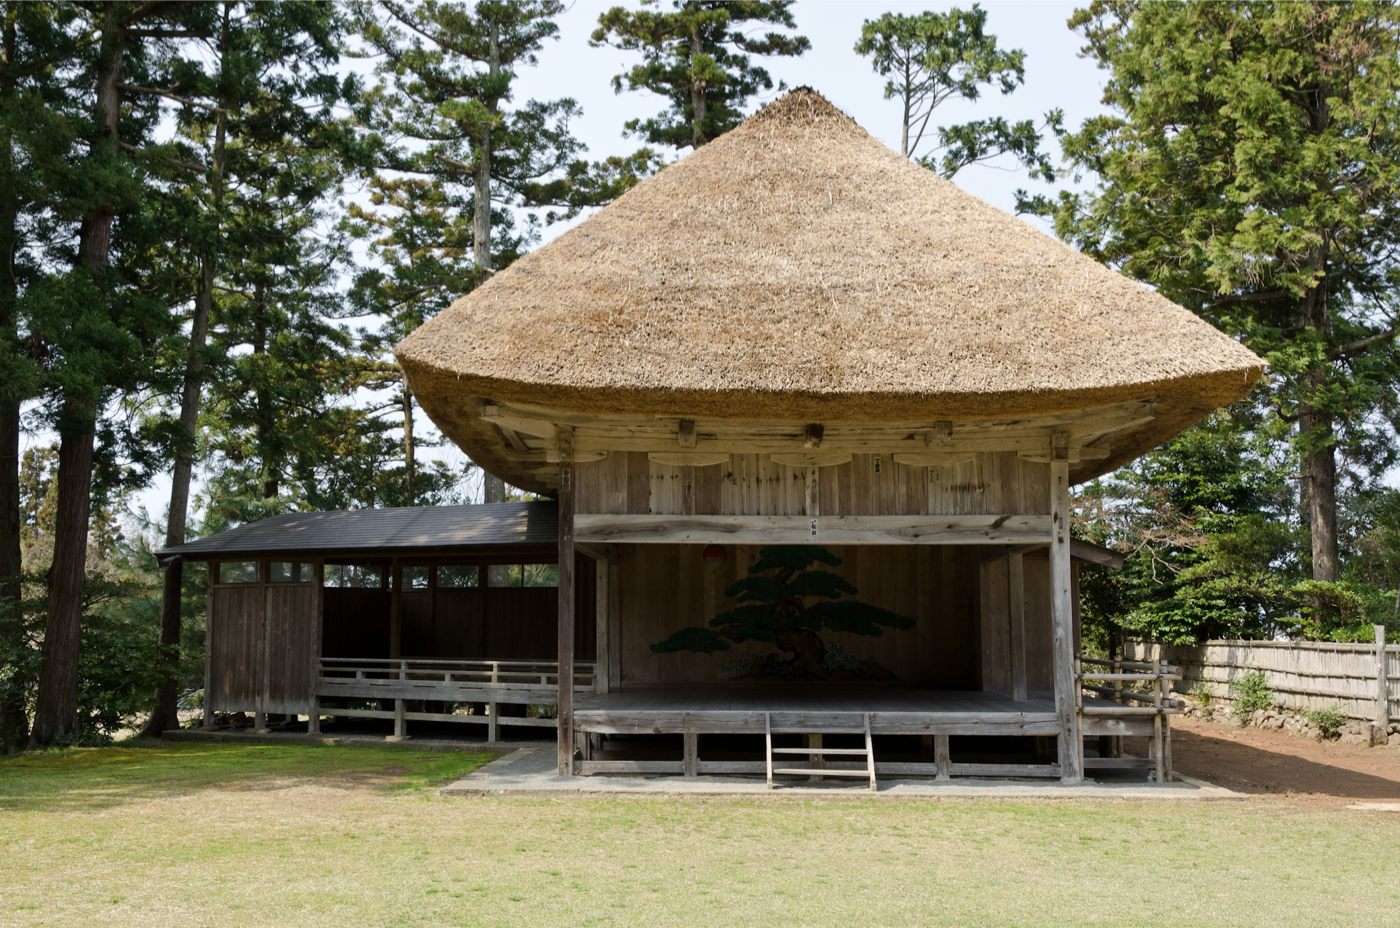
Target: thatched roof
{"points": [[796, 268]]}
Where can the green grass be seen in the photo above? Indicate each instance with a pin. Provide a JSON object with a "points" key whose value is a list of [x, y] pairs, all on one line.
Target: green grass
{"points": [[213, 835]]}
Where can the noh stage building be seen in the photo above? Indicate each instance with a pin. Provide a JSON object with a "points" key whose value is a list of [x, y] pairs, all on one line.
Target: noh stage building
{"points": [[811, 416]]}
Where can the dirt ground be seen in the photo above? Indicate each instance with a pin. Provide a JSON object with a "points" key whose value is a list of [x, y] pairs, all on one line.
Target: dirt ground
{"points": [[1269, 762]]}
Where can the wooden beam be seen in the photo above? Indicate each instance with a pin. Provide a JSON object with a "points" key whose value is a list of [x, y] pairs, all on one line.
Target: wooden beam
{"points": [[812, 435], [700, 529], [566, 605], [1071, 743], [685, 433]]}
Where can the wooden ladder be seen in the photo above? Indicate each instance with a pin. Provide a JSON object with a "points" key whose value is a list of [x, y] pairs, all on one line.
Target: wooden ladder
{"points": [[867, 752]]}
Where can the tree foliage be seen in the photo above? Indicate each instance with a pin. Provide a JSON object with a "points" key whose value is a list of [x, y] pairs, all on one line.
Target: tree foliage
{"points": [[1250, 169], [931, 58], [699, 56]]}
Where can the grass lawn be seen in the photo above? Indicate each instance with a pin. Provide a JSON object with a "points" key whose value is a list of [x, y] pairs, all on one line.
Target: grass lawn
{"points": [[194, 834]]}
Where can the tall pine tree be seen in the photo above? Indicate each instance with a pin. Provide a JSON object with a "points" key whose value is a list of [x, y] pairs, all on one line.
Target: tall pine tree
{"points": [[698, 55]]}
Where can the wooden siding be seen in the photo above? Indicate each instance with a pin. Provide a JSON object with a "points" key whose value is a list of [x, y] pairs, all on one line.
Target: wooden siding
{"points": [[235, 647], [668, 587], [291, 652], [986, 483]]}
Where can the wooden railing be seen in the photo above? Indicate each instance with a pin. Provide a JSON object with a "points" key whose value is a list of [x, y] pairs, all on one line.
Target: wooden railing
{"points": [[1139, 690], [452, 673], [490, 684]]}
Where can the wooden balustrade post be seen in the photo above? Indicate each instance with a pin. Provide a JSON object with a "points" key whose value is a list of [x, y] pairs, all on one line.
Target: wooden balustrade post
{"points": [[1380, 730]]}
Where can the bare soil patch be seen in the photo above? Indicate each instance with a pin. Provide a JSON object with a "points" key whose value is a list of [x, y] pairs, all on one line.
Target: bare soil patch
{"points": [[1270, 762]]}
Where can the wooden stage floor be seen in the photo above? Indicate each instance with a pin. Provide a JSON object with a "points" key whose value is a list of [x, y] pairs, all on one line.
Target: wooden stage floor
{"points": [[937, 716], [835, 707]]}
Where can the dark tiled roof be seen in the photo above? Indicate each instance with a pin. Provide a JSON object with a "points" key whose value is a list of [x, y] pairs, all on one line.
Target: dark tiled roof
{"points": [[423, 528]]}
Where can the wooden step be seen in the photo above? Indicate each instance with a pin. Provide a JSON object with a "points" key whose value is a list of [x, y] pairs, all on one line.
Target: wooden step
{"points": [[866, 754], [822, 772]]}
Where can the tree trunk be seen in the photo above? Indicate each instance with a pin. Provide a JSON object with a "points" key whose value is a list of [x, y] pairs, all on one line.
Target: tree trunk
{"points": [[55, 714], [410, 459], [14, 723], [165, 715], [265, 425], [56, 711], [697, 93], [493, 488]]}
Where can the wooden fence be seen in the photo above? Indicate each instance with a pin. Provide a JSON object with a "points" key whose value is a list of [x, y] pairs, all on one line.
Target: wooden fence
{"points": [[1362, 681]]}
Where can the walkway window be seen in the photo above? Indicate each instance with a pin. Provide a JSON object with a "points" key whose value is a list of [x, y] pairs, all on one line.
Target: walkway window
{"points": [[289, 572], [238, 571], [458, 576], [523, 575], [355, 576], [415, 577]]}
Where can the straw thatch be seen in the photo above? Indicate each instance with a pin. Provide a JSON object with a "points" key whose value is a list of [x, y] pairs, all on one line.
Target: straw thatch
{"points": [[797, 269]]}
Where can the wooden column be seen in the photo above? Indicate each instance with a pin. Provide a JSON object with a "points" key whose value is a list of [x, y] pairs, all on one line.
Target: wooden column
{"points": [[1071, 744], [208, 720], [602, 660], [265, 681], [395, 611], [566, 605], [614, 620], [318, 577], [1016, 614]]}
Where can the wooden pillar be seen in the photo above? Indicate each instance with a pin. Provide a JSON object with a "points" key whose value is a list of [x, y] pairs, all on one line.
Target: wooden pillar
{"points": [[602, 660], [1380, 732], [395, 609], [208, 720], [265, 683], [614, 619], [942, 758], [1071, 744], [1016, 612], [318, 577], [566, 605]]}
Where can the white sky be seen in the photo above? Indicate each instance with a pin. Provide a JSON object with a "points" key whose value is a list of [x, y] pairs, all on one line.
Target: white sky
{"points": [[1056, 76]]}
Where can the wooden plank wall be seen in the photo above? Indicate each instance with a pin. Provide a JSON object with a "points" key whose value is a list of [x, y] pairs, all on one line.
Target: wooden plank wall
{"points": [[668, 587], [752, 484], [463, 624], [995, 631], [356, 623], [291, 626], [236, 647]]}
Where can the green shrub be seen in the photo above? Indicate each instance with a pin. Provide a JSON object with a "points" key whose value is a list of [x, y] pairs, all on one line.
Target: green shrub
{"points": [[1201, 693], [1328, 723], [1251, 693]]}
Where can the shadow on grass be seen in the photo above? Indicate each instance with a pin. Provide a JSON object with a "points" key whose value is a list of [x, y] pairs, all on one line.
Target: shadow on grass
{"points": [[88, 779]]}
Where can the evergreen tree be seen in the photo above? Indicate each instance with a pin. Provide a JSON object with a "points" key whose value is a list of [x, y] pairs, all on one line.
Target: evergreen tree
{"points": [[267, 82], [930, 58], [698, 56], [93, 323], [457, 165], [34, 42], [1250, 170]]}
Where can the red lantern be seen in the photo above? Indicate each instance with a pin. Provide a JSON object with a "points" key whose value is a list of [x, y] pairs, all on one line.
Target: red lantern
{"points": [[713, 555]]}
